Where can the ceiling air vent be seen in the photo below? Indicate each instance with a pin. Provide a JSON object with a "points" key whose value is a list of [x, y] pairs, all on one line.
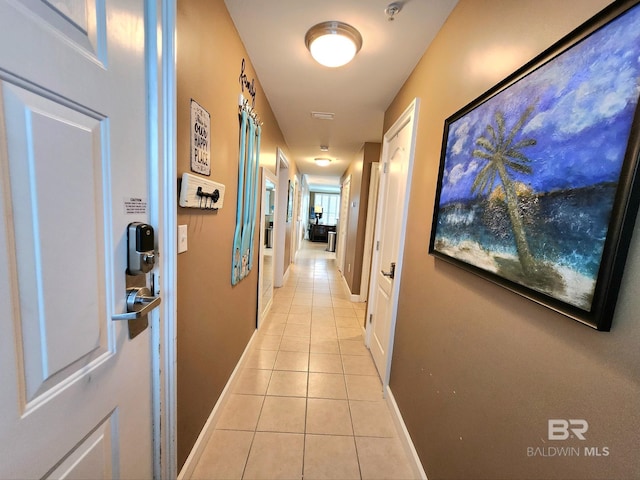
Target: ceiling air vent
{"points": [[322, 115]]}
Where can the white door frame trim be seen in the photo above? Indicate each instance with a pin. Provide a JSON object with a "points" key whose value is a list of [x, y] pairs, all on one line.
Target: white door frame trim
{"points": [[280, 273], [409, 115], [161, 109], [266, 174], [295, 222], [372, 203]]}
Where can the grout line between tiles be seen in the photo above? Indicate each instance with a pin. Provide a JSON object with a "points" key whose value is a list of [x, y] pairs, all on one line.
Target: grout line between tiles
{"points": [[246, 461]]}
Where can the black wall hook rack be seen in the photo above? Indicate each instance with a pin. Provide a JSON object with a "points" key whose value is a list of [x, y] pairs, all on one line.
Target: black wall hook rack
{"points": [[209, 198], [198, 192]]}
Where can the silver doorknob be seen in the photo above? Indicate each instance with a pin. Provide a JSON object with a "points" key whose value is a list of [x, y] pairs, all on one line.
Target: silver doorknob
{"points": [[140, 302], [392, 273]]}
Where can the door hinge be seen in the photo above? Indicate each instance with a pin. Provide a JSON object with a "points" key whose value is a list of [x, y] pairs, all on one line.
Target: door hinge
{"points": [[384, 167], [377, 245], [370, 317]]}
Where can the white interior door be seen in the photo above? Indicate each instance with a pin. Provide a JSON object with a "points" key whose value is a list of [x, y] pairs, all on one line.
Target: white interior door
{"points": [[76, 391], [344, 222], [397, 161]]}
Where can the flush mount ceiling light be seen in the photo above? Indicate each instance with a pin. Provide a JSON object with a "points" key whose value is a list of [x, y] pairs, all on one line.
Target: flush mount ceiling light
{"points": [[322, 162], [333, 43]]}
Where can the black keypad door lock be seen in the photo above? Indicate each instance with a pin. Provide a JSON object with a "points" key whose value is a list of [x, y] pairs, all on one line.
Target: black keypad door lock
{"points": [[141, 244]]}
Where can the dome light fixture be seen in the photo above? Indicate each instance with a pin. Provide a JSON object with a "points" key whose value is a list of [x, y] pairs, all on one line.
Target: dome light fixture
{"points": [[333, 43], [322, 162]]}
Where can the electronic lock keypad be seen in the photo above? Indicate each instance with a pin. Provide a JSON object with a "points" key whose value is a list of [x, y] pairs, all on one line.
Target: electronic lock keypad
{"points": [[140, 299], [141, 244]]}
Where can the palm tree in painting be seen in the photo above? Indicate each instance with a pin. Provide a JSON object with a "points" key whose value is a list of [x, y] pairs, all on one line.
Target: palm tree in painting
{"points": [[504, 157]]}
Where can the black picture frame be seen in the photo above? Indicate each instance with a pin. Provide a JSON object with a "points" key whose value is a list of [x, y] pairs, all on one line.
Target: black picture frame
{"points": [[537, 188]]}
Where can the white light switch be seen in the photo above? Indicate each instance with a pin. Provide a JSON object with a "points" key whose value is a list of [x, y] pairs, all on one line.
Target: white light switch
{"points": [[182, 238]]}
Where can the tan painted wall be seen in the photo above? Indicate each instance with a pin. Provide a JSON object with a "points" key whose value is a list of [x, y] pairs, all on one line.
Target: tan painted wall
{"points": [[477, 370], [360, 171], [215, 320]]}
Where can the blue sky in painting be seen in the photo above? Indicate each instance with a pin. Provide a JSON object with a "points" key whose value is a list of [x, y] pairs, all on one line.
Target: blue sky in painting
{"points": [[584, 103]]}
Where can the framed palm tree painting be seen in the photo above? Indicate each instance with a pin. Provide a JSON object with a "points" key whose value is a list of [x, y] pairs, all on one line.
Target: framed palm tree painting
{"points": [[537, 182]]}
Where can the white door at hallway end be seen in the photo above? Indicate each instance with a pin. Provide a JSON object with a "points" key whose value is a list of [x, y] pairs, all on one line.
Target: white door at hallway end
{"points": [[76, 391]]}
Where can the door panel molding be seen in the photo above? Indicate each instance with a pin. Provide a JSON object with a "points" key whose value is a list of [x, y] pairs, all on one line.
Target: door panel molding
{"points": [[83, 25], [51, 144]]}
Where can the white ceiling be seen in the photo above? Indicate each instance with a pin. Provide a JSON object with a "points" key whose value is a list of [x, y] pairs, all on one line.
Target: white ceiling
{"points": [[358, 94]]}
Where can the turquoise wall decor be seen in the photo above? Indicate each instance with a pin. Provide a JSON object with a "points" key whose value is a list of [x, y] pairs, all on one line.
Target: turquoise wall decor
{"points": [[248, 164]]}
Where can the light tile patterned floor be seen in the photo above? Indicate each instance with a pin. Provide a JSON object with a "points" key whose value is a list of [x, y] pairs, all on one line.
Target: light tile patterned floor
{"points": [[308, 402]]}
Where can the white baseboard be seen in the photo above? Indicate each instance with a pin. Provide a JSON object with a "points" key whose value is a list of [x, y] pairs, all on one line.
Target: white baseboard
{"points": [[404, 436], [209, 426], [345, 284], [356, 298], [267, 309]]}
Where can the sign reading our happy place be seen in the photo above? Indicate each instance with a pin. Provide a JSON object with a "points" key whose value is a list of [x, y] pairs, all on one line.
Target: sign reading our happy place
{"points": [[200, 139]]}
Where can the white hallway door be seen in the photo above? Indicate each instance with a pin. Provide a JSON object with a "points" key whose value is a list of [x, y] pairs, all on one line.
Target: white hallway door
{"points": [[397, 161], [343, 224], [76, 391]]}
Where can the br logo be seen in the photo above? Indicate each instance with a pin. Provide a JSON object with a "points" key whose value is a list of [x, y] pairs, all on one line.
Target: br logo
{"points": [[560, 429]]}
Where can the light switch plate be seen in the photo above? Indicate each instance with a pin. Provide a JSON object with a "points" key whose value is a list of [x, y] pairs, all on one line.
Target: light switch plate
{"points": [[182, 238]]}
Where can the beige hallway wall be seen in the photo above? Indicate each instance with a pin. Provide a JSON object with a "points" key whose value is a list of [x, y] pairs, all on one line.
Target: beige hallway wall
{"points": [[215, 320]]}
